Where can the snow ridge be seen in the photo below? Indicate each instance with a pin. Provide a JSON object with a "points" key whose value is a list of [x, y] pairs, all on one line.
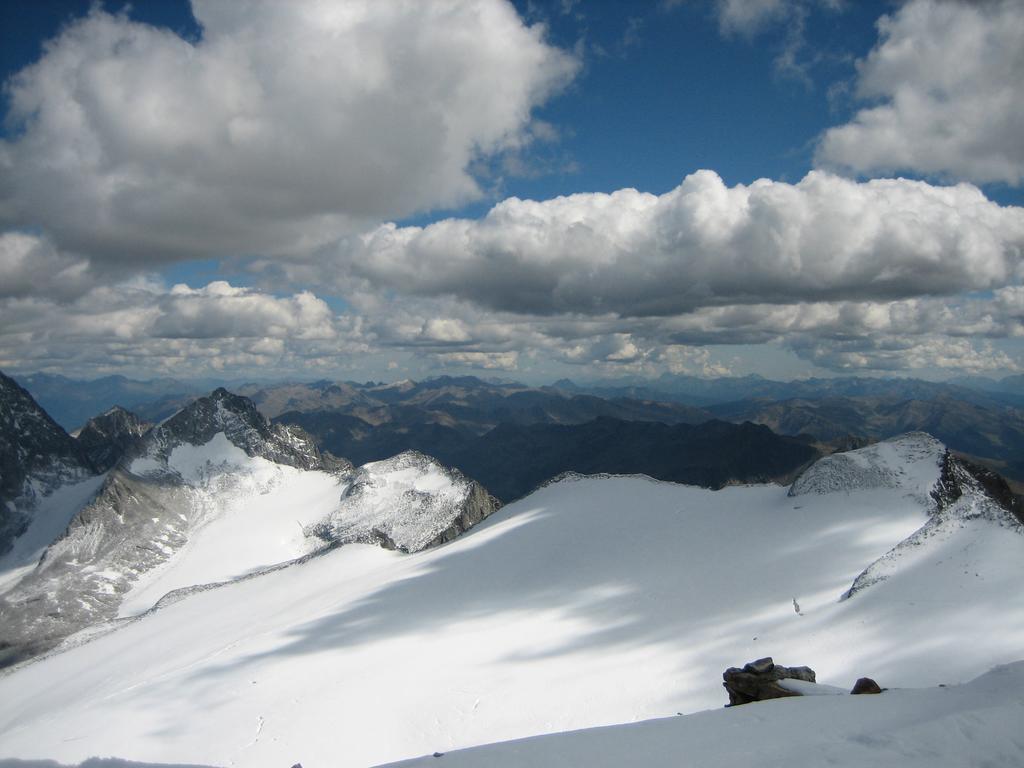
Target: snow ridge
{"points": [[963, 507], [911, 462], [409, 502]]}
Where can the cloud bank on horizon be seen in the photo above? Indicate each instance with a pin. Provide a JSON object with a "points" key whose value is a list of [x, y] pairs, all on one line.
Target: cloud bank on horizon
{"points": [[286, 142]]}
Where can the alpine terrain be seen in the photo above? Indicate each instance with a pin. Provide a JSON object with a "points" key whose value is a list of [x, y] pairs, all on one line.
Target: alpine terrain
{"points": [[214, 493], [245, 600]]}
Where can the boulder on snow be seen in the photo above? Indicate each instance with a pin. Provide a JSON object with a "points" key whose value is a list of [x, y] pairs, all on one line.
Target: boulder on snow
{"points": [[759, 681], [865, 685]]}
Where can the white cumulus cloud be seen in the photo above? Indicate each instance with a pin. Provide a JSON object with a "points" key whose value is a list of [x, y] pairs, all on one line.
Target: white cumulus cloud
{"points": [[946, 82], [285, 125], [702, 244]]}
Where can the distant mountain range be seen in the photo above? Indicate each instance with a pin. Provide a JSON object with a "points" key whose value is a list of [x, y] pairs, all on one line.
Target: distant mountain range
{"points": [[702, 392], [448, 416], [71, 402], [993, 434]]}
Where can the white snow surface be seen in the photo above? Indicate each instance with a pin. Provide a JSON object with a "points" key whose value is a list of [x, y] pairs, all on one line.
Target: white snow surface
{"points": [[591, 602], [805, 688], [253, 516], [196, 463], [910, 462], [410, 497], [976, 725]]}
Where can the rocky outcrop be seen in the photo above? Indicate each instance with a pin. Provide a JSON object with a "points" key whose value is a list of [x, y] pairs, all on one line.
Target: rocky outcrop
{"points": [[108, 437], [759, 681], [961, 478], [865, 685], [409, 502], [131, 526]]}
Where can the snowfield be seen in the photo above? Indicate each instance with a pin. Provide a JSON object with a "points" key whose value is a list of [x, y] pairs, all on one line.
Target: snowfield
{"points": [[253, 515], [965, 726], [592, 602]]}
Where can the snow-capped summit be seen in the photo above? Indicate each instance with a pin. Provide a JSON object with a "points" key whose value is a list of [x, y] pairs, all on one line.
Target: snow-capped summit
{"points": [[408, 502], [911, 462]]}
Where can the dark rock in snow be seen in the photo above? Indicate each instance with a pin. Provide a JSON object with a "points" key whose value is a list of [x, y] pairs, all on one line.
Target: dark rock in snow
{"points": [[960, 477], [759, 681], [865, 685]]}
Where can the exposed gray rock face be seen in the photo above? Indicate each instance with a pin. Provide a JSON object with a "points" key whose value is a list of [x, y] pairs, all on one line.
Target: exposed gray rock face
{"points": [[109, 436], [36, 457], [409, 502], [759, 681], [172, 481], [132, 526], [961, 478]]}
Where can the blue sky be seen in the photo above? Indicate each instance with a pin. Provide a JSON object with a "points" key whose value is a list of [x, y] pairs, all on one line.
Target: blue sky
{"points": [[277, 228]]}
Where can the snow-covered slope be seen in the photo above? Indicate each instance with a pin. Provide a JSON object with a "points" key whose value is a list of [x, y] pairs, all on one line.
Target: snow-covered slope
{"points": [[252, 514], [210, 465], [911, 463], [408, 502], [975, 725], [50, 518], [591, 602]]}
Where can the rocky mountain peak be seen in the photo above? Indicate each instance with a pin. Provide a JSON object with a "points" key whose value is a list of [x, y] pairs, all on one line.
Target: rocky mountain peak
{"points": [[36, 456], [241, 423], [107, 437], [32, 444]]}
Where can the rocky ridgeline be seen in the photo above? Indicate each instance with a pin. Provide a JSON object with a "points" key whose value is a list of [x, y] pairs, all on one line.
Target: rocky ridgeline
{"points": [[242, 425], [969, 490], [106, 438]]}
